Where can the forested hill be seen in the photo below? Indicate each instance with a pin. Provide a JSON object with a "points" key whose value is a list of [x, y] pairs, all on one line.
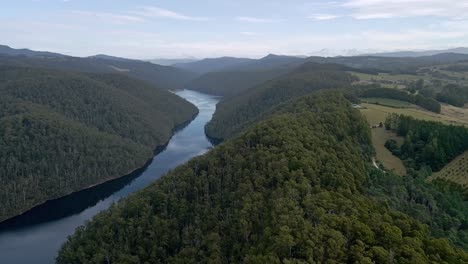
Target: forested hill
{"points": [[235, 113], [236, 79], [164, 77], [61, 132], [287, 190]]}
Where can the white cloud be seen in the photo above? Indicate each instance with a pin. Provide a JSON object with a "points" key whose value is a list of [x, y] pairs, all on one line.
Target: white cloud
{"points": [[255, 19], [323, 17], [371, 9], [152, 11], [108, 17]]}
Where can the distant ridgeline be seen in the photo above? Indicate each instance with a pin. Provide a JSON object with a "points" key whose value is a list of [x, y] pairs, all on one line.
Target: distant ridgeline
{"points": [[61, 132], [289, 189], [164, 77]]}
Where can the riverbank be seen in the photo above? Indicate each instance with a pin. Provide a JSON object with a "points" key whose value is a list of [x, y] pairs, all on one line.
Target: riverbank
{"points": [[4, 223]]}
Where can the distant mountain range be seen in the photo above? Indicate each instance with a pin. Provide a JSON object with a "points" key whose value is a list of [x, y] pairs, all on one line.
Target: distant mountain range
{"points": [[170, 62], [459, 50], [164, 77]]}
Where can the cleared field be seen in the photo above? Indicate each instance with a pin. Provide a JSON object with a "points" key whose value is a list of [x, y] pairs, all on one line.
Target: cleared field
{"points": [[387, 80], [379, 137], [383, 155], [387, 102], [450, 114], [456, 171]]}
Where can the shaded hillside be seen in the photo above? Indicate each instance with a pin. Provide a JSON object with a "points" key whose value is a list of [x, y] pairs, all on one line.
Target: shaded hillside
{"points": [[288, 190], [62, 132], [237, 79], [231, 83], [163, 77], [212, 64], [234, 114]]}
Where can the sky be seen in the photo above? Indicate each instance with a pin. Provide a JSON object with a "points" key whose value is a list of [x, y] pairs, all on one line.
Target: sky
{"points": [[146, 29]]}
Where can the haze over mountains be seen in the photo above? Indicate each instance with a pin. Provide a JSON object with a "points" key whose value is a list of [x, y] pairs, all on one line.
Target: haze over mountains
{"points": [[235, 74], [460, 50]]}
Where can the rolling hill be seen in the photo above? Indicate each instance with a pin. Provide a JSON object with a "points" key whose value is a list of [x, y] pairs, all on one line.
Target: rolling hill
{"points": [[212, 64], [237, 79]]}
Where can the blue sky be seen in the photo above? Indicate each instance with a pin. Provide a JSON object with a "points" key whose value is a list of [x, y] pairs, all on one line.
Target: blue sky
{"points": [[145, 29]]}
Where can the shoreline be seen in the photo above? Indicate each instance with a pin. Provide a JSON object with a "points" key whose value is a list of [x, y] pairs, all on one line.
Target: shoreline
{"points": [[157, 150]]}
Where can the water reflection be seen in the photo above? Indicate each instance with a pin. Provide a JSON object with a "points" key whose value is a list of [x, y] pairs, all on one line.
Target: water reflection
{"points": [[36, 236]]}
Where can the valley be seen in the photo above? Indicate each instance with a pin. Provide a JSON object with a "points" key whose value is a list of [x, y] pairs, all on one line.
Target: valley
{"points": [[292, 178]]}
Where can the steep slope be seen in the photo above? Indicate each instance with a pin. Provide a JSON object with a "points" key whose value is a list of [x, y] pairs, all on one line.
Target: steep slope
{"points": [[234, 114], [232, 83], [62, 132], [237, 79], [288, 190], [163, 77]]}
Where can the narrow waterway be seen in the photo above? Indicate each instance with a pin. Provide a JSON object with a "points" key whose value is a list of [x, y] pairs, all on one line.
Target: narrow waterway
{"points": [[36, 236]]}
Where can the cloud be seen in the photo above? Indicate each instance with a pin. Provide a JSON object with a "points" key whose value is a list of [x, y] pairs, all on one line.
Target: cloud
{"points": [[323, 17], [373, 9], [108, 17], [152, 11], [255, 20]]}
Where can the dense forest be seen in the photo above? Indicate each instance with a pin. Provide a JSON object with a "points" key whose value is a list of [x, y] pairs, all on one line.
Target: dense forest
{"points": [[164, 77], [441, 205], [233, 82], [235, 113], [454, 94], [426, 143], [61, 132], [290, 189]]}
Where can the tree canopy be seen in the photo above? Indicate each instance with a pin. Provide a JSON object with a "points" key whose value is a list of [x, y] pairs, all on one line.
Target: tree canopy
{"points": [[290, 189], [61, 132]]}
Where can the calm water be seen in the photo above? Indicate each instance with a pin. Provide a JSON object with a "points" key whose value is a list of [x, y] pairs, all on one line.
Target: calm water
{"points": [[36, 236]]}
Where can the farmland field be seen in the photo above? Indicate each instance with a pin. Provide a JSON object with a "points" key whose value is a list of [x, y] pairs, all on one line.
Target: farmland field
{"points": [[456, 171], [450, 114], [387, 102]]}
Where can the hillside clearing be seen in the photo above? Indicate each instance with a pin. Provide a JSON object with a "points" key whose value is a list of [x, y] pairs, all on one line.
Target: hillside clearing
{"points": [[383, 155]]}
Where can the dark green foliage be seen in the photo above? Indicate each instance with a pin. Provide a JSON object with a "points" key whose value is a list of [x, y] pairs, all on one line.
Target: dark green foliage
{"points": [[427, 103], [440, 205], [235, 113], [288, 190], [427, 143], [416, 86], [61, 132], [231, 83], [164, 77], [454, 95]]}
